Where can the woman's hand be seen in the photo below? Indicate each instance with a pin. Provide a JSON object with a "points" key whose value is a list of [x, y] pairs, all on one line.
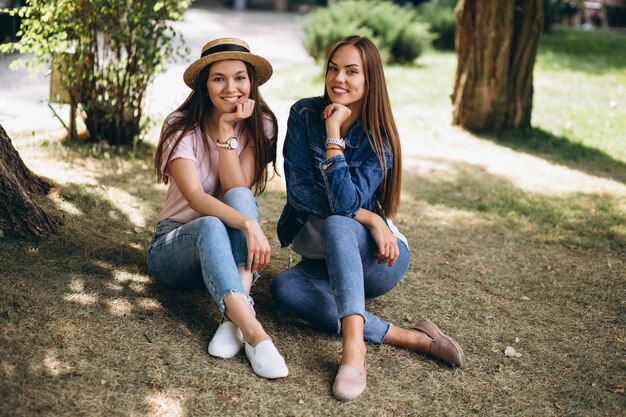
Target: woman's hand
{"points": [[258, 246], [386, 242], [243, 110], [335, 114]]}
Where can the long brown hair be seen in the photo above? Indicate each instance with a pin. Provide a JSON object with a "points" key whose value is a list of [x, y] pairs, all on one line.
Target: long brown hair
{"points": [[378, 121], [195, 110]]}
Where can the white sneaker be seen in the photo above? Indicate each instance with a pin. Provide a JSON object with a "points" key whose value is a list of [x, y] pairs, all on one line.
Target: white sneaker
{"points": [[266, 361], [227, 341]]}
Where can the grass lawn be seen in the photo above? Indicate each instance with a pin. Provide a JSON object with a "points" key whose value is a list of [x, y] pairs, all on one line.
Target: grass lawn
{"points": [[517, 239]]}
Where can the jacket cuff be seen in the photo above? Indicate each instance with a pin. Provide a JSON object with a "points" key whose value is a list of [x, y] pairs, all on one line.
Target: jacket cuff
{"points": [[332, 164]]}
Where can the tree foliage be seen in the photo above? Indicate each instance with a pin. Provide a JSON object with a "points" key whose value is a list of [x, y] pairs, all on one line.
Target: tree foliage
{"points": [[107, 51]]}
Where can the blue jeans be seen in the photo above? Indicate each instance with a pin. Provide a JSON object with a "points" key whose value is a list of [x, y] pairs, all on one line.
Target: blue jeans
{"points": [[204, 252], [321, 292]]}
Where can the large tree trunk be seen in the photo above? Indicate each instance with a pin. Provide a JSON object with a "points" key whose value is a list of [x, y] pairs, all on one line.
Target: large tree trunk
{"points": [[496, 43], [20, 215]]}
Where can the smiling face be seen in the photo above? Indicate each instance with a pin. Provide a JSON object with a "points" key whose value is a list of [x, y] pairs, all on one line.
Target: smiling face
{"points": [[345, 78], [228, 82]]}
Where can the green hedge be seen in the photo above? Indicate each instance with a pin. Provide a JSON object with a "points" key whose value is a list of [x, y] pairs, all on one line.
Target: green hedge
{"points": [[396, 31]]}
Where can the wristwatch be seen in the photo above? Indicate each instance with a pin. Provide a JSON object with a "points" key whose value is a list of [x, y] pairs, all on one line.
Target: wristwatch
{"points": [[231, 143], [336, 141]]}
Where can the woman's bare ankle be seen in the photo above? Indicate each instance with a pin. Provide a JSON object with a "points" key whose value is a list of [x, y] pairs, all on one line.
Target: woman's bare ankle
{"points": [[354, 355], [408, 339], [254, 336]]}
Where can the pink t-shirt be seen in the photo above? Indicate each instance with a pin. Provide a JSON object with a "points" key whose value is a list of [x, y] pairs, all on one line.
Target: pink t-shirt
{"points": [[192, 147]]}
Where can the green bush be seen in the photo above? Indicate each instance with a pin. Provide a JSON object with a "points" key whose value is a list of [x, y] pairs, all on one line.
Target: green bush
{"points": [[324, 26], [439, 14], [405, 50], [383, 22], [107, 51]]}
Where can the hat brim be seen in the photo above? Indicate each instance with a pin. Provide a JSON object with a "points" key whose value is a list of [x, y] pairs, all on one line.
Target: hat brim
{"points": [[262, 68]]}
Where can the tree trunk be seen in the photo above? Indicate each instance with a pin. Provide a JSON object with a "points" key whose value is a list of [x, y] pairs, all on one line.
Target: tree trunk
{"points": [[496, 43], [20, 215]]}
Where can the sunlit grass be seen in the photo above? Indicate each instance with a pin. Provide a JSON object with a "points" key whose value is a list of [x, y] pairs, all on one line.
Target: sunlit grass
{"points": [[594, 52], [580, 89]]}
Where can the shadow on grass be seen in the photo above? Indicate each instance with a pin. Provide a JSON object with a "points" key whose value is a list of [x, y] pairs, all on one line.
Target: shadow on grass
{"points": [[584, 220], [81, 307], [560, 150]]}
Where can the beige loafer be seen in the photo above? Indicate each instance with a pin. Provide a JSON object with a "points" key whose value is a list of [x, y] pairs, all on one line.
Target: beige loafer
{"points": [[443, 346], [349, 383]]}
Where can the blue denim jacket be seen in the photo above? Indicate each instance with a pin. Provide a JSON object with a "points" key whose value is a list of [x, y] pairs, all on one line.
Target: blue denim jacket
{"points": [[340, 185]]}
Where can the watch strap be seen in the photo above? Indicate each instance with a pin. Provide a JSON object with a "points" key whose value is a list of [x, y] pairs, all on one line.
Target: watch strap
{"points": [[231, 143], [336, 141]]}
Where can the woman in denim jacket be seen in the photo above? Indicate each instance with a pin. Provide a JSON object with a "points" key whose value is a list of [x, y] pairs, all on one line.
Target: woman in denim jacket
{"points": [[212, 150], [343, 168]]}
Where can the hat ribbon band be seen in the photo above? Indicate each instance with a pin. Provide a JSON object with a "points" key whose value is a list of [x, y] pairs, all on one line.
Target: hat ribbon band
{"points": [[228, 47]]}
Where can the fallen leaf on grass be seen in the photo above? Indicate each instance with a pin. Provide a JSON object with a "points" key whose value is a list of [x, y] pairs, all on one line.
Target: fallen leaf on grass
{"points": [[617, 389], [472, 346], [228, 398], [511, 353], [301, 401], [448, 255], [408, 318], [559, 406], [517, 340], [524, 298]]}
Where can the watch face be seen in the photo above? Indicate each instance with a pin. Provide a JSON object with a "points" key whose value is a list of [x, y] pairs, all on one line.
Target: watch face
{"points": [[232, 142]]}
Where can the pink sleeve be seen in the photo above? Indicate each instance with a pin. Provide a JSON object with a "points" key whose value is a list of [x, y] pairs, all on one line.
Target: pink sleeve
{"points": [[185, 149]]}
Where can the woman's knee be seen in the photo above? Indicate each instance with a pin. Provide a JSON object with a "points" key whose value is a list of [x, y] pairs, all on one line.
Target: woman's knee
{"points": [[209, 228], [242, 200], [336, 222], [238, 194]]}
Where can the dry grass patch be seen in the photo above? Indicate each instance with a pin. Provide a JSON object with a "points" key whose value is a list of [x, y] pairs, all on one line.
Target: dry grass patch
{"points": [[85, 331]]}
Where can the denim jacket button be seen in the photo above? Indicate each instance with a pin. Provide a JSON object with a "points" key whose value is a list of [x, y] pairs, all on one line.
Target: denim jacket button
{"points": [[324, 166]]}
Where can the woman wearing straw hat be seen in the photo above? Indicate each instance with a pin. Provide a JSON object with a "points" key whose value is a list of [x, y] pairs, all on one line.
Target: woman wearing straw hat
{"points": [[213, 149]]}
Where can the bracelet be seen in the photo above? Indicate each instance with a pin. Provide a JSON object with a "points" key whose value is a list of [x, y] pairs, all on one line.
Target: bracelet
{"points": [[334, 148], [336, 141]]}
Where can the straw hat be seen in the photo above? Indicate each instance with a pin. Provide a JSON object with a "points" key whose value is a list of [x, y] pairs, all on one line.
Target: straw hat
{"points": [[227, 48]]}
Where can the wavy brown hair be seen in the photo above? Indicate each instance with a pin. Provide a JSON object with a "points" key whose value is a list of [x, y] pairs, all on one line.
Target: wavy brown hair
{"points": [[378, 121], [193, 114]]}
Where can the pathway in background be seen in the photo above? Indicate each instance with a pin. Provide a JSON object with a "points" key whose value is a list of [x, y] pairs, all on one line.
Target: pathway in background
{"points": [[276, 36]]}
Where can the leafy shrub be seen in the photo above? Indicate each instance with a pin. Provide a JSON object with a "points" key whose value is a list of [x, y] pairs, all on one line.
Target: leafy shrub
{"points": [[382, 21], [108, 51], [323, 27], [439, 14], [405, 50]]}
